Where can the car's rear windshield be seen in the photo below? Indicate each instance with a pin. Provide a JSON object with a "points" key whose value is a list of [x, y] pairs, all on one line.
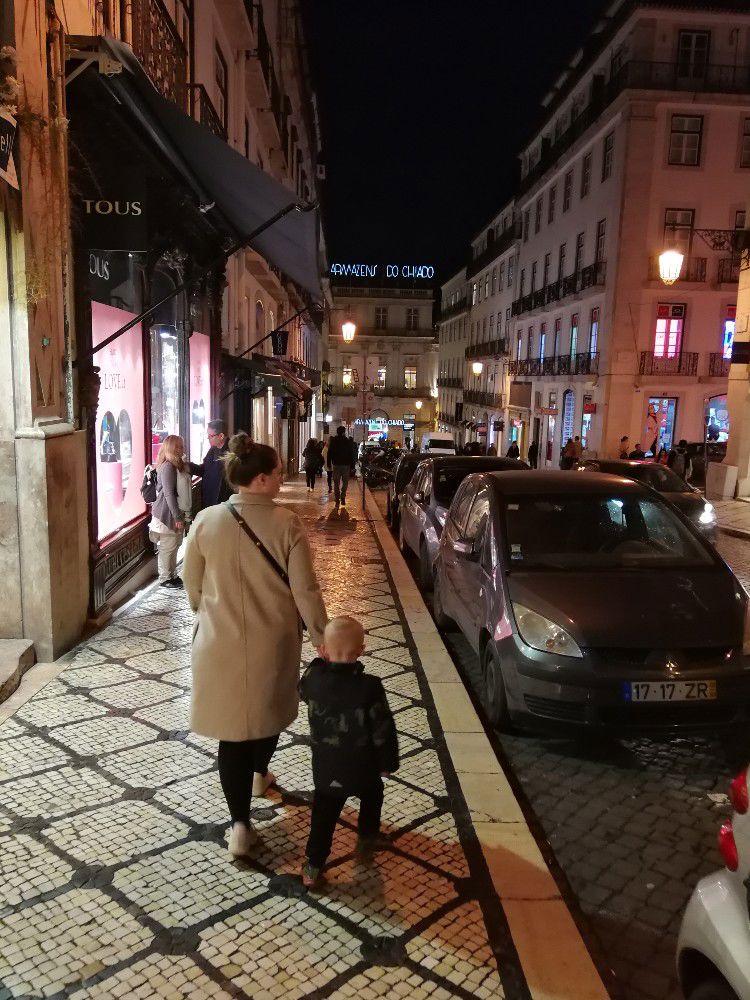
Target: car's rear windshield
{"points": [[441, 443], [447, 481], [598, 531], [405, 472]]}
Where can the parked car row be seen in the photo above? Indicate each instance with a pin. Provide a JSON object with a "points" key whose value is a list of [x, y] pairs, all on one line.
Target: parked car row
{"points": [[592, 600]]}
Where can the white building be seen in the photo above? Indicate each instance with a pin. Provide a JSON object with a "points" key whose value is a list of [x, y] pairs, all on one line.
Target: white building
{"points": [[645, 138], [394, 356], [453, 337]]}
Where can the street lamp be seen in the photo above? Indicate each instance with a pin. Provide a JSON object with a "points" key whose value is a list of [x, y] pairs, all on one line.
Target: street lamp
{"points": [[477, 367], [348, 330], [418, 404], [670, 265]]}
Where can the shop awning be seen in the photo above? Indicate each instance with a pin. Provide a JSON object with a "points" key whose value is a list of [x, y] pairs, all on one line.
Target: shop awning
{"points": [[271, 373], [295, 385], [233, 192]]}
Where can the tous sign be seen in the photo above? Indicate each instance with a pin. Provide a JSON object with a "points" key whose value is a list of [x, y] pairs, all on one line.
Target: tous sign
{"points": [[103, 207], [391, 270]]}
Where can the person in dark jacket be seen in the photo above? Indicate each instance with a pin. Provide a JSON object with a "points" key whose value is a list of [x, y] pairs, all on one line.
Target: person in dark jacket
{"points": [[533, 456], [514, 451], [311, 456], [354, 741], [340, 462], [214, 488], [637, 454]]}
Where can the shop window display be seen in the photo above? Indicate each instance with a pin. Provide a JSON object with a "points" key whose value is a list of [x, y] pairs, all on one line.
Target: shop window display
{"points": [[199, 347], [165, 385], [120, 452]]}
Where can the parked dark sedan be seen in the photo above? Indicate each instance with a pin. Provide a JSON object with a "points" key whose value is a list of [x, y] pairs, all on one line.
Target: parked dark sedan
{"points": [[661, 478], [592, 602], [426, 499], [403, 472]]}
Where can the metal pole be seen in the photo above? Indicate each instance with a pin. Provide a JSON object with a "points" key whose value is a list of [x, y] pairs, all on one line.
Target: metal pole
{"points": [[364, 433]]}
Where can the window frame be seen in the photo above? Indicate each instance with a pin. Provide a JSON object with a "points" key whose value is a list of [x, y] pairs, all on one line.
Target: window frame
{"points": [[223, 88], [608, 155], [567, 200], [586, 170], [673, 132]]}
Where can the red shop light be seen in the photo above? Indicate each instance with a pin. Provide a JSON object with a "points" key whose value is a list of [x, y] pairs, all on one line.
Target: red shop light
{"points": [[728, 847], [738, 794]]}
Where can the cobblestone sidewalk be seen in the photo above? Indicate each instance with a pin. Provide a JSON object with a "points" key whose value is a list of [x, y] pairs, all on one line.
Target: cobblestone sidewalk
{"points": [[114, 875]]}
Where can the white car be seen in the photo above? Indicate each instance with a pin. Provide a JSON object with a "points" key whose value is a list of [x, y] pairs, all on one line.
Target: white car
{"points": [[713, 949]]}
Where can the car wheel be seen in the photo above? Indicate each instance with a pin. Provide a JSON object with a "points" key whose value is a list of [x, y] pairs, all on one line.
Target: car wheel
{"points": [[494, 697], [713, 989], [401, 540], [441, 619], [425, 567]]}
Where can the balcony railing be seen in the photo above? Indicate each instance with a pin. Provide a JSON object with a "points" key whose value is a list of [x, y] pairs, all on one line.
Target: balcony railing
{"points": [[586, 363], [446, 418], [693, 269], [403, 392], [643, 76], [729, 270], [587, 277], [718, 365], [448, 312], [479, 398], [160, 49], [488, 349], [205, 112], [682, 364], [449, 383], [359, 291]]}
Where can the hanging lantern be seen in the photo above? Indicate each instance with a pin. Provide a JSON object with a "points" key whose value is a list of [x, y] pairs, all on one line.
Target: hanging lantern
{"points": [[348, 329], [477, 367], [670, 265]]}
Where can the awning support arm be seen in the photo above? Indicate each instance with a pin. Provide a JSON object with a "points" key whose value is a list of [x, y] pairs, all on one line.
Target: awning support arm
{"points": [[237, 245], [262, 341]]}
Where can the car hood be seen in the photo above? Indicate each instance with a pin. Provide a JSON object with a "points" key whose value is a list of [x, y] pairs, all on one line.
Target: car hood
{"points": [[671, 608]]}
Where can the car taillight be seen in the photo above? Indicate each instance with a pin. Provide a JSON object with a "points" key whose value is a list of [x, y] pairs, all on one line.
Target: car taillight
{"points": [[728, 847], [738, 794]]}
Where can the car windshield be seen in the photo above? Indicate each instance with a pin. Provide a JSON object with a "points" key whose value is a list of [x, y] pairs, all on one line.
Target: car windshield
{"points": [[659, 477], [598, 531]]}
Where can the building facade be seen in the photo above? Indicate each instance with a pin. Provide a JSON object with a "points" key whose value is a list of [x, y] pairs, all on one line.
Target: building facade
{"points": [[644, 143], [128, 303], [393, 358]]}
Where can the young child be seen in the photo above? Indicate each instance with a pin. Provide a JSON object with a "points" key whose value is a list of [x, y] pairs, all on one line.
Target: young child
{"points": [[354, 742]]}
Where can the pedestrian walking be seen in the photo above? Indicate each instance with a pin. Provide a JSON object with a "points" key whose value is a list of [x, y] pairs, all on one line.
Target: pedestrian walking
{"points": [[340, 464], [249, 578], [513, 451], [354, 742], [637, 453], [167, 516], [577, 449], [326, 466], [354, 455], [533, 454], [311, 461], [321, 458], [214, 486], [679, 461], [624, 447], [568, 455], [492, 451]]}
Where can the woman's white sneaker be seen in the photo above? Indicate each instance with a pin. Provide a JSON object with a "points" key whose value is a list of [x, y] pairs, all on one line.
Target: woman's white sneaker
{"points": [[241, 839], [262, 782]]}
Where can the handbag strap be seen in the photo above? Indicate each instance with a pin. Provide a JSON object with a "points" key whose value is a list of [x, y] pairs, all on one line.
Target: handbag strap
{"points": [[257, 543]]}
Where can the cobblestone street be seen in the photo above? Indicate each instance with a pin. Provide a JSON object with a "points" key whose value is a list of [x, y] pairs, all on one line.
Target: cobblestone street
{"points": [[115, 879], [632, 825]]}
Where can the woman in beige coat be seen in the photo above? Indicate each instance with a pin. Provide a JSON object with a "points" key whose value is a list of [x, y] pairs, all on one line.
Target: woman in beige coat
{"points": [[247, 640]]}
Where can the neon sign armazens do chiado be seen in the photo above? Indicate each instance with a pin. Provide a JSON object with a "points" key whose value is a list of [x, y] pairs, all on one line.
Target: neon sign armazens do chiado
{"points": [[424, 271]]}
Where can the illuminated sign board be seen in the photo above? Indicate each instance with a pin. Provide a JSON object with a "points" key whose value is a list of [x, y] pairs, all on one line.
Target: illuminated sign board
{"points": [[424, 271], [379, 422]]}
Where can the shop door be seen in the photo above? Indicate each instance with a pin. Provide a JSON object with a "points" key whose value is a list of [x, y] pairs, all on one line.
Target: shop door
{"points": [[660, 424], [551, 425]]}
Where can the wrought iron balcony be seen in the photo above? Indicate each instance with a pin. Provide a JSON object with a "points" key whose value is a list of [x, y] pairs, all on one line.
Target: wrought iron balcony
{"points": [[729, 270], [694, 269], [488, 349], [448, 312], [479, 398], [587, 277], [449, 383], [401, 391], [718, 365], [160, 49], [682, 364], [639, 75], [585, 363], [205, 112]]}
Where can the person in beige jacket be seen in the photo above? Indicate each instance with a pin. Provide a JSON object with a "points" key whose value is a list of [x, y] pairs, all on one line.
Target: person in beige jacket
{"points": [[247, 639]]}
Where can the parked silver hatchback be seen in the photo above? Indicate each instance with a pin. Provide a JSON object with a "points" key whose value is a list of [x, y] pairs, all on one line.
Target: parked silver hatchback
{"points": [[426, 499]]}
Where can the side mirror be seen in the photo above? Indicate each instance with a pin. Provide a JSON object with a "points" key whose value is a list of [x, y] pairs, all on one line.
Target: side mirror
{"points": [[419, 497], [464, 549]]}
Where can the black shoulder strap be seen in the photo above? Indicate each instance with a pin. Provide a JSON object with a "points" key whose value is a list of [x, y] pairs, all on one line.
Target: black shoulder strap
{"points": [[257, 542]]}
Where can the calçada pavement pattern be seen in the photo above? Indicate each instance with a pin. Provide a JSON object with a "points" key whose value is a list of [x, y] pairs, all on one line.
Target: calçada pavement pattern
{"points": [[115, 880]]}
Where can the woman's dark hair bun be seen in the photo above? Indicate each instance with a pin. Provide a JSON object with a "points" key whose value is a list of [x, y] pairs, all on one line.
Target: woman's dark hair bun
{"points": [[241, 444]]}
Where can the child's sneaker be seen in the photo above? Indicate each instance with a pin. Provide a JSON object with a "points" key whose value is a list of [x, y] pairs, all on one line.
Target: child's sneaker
{"points": [[310, 875]]}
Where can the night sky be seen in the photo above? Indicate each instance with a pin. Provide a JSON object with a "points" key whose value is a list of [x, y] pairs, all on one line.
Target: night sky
{"points": [[424, 105]]}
